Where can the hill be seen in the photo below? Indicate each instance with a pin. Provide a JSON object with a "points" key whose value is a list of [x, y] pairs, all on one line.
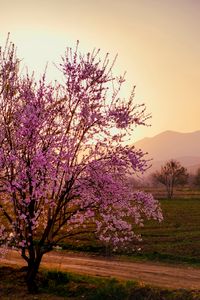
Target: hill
{"points": [[184, 147]]}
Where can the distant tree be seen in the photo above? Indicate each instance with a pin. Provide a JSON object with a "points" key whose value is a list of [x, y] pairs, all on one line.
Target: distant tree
{"points": [[63, 166], [197, 178], [171, 175]]}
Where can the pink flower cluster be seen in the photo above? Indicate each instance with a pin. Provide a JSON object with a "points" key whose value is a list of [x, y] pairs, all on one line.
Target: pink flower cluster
{"points": [[62, 163]]}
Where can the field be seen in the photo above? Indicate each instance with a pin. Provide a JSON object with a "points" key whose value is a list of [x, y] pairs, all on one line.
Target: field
{"points": [[175, 240], [54, 285]]}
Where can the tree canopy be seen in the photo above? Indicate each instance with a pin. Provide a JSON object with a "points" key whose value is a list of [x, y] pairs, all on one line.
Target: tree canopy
{"points": [[171, 175], [63, 166]]}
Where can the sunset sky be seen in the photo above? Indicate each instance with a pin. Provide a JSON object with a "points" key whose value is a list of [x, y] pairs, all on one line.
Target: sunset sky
{"points": [[157, 41]]}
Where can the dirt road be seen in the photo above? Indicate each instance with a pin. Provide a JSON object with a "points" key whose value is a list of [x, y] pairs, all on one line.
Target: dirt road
{"points": [[148, 273]]}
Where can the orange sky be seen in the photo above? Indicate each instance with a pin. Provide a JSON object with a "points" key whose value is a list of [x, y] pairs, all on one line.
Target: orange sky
{"points": [[158, 42]]}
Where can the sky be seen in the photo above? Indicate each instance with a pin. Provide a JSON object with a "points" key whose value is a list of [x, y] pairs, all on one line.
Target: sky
{"points": [[157, 42]]}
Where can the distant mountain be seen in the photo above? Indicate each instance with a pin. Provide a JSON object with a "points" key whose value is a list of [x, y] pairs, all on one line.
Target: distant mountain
{"points": [[184, 147]]}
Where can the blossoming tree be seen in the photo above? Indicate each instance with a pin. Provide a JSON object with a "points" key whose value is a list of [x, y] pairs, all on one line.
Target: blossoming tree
{"points": [[63, 165]]}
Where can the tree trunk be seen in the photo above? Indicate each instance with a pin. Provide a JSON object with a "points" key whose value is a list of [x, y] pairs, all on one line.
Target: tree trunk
{"points": [[33, 266], [170, 190]]}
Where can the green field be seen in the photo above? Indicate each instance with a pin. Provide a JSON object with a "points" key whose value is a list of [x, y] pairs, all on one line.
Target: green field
{"points": [[176, 239], [55, 285]]}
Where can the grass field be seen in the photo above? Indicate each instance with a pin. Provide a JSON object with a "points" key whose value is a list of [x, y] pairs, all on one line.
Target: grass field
{"points": [[54, 285], [176, 239]]}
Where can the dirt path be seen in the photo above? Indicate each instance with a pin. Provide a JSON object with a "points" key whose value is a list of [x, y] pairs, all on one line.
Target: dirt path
{"points": [[148, 273]]}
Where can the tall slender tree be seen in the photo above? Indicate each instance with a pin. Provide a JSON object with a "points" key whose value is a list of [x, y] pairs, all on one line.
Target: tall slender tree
{"points": [[63, 166]]}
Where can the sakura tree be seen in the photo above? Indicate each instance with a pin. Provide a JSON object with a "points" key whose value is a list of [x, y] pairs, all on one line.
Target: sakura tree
{"points": [[63, 158]]}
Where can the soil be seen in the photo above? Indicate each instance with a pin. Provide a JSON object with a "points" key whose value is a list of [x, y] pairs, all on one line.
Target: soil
{"points": [[168, 276]]}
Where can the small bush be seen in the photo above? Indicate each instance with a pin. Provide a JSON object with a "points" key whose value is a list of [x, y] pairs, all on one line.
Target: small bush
{"points": [[149, 293], [58, 277], [54, 282], [111, 290], [145, 293]]}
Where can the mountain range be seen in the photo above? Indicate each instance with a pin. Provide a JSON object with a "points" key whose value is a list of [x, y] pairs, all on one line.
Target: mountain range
{"points": [[184, 147]]}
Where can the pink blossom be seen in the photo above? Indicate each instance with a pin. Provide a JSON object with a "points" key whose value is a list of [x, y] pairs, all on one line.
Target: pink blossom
{"points": [[63, 158]]}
